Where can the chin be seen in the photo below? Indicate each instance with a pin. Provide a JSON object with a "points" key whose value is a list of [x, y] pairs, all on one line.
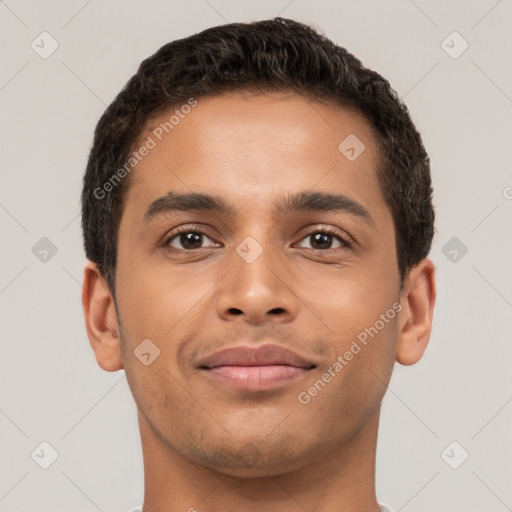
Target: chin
{"points": [[258, 459]]}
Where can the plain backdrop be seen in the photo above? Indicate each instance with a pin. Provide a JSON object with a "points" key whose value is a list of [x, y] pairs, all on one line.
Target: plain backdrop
{"points": [[51, 389]]}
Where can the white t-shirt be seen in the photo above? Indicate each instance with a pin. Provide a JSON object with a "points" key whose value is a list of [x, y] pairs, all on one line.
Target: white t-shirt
{"points": [[383, 508]]}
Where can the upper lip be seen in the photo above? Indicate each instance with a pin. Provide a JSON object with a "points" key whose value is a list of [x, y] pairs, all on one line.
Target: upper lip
{"points": [[261, 355]]}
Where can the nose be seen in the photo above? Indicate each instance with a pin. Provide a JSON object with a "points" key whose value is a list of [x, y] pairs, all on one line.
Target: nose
{"points": [[257, 291]]}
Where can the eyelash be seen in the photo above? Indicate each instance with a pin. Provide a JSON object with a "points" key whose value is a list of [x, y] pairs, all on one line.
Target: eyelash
{"points": [[195, 229], [329, 231]]}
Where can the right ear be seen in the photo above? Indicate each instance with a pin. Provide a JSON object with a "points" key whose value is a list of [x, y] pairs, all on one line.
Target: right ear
{"points": [[101, 320]]}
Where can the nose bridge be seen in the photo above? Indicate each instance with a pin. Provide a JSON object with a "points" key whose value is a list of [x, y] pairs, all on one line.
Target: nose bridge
{"points": [[257, 263], [257, 251], [257, 285]]}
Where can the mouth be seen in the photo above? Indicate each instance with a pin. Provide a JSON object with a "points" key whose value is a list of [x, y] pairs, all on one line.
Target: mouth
{"points": [[258, 368]]}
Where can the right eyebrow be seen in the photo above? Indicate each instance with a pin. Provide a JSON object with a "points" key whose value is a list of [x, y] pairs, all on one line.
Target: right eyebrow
{"points": [[172, 201], [302, 201]]}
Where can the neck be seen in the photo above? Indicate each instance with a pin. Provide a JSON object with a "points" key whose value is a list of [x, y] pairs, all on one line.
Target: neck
{"points": [[342, 480]]}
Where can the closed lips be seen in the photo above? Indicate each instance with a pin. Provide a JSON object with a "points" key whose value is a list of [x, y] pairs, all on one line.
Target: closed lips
{"points": [[262, 355]]}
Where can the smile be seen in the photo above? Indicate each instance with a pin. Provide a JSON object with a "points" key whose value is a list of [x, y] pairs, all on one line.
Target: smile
{"points": [[255, 368], [256, 378]]}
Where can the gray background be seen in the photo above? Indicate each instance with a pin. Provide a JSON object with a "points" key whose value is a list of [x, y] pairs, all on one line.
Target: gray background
{"points": [[51, 388]]}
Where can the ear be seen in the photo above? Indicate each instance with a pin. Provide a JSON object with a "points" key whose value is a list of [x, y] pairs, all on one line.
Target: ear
{"points": [[415, 320], [101, 319]]}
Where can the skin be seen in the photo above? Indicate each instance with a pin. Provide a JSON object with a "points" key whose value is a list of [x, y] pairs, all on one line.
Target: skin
{"points": [[210, 448]]}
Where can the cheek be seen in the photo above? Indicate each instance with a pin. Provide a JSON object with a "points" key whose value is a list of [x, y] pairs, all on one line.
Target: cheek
{"points": [[348, 390], [167, 308], [361, 316], [152, 300], [351, 299]]}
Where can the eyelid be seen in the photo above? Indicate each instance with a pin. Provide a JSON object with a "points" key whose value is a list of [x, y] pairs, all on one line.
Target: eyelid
{"points": [[186, 228], [346, 240], [344, 237]]}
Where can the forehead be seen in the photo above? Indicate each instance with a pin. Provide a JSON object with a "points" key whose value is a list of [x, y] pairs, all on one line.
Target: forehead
{"points": [[239, 143]]}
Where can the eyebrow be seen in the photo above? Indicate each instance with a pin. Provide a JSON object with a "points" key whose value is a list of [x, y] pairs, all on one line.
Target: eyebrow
{"points": [[302, 201]]}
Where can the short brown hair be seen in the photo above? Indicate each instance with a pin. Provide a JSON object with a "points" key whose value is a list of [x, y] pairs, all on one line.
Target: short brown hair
{"points": [[270, 55]]}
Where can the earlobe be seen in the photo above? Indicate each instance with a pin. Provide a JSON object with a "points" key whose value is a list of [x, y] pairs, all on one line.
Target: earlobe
{"points": [[415, 319], [101, 321]]}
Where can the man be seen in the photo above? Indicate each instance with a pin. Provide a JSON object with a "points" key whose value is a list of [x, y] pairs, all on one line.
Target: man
{"points": [[257, 215]]}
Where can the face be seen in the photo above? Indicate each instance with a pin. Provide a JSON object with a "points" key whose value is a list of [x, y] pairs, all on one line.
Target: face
{"points": [[301, 255]]}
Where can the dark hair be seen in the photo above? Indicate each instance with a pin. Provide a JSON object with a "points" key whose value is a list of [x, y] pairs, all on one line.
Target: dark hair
{"points": [[270, 55]]}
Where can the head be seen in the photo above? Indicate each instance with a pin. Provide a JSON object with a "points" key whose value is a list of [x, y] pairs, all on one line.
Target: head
{"points": [[308, 189]]}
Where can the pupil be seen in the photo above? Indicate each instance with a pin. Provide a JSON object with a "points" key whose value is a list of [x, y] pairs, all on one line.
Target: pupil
{"points": [[322, 239], [193, 240], [189, 240]]}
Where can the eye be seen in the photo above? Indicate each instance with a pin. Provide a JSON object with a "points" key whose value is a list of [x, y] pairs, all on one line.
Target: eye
{"points": [[323, 240], [192, 238], [187, 239]]}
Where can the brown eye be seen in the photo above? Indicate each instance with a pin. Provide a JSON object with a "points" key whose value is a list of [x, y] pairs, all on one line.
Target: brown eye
{"points": [[323, 240], [188, 240]]}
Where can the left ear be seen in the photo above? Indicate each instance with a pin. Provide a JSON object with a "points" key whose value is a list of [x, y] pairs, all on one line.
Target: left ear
{"points": [[415, 319]]}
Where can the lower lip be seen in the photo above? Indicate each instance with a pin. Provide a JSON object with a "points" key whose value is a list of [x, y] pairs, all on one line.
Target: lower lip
{"points": [[256, 378]]}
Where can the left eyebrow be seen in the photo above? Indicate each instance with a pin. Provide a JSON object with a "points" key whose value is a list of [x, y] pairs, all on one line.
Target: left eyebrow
{"points": [[302, 201], [323, 202]]}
